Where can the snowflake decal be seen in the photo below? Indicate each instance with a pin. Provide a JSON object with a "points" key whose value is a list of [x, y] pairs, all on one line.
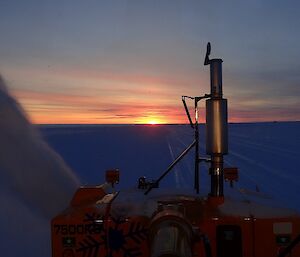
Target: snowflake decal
{"points": [[114, 239]]}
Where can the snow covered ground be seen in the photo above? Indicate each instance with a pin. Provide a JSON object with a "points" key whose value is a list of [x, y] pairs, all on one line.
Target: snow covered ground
{"points": [[266, 154]]}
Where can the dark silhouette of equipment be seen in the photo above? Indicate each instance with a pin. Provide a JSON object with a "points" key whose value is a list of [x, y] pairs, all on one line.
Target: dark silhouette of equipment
{"points": [[216, 129]]}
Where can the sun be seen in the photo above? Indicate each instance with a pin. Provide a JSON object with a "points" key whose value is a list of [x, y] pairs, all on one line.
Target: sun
{"points": [[152, 122]]}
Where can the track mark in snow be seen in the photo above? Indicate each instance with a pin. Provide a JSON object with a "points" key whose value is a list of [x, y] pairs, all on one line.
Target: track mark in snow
{"points": [[264, 167], [175, 168], [264, 147], [179, 179]]}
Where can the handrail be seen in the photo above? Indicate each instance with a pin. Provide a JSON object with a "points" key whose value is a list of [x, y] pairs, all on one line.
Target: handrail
{"points": [[187, 110]]}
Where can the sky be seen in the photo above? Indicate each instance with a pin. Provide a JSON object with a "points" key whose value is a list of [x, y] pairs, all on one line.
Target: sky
{"points": [[130, 61]]}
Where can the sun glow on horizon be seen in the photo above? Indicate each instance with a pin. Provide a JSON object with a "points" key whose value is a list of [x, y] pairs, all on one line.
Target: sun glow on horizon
{"points": [[152, 122]]}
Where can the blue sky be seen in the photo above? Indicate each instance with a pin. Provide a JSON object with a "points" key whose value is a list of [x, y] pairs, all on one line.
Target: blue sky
{"points": [[130, 61]]}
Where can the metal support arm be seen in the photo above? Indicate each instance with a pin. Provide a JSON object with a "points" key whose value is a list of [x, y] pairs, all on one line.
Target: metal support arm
{"points": [[172, 165]]}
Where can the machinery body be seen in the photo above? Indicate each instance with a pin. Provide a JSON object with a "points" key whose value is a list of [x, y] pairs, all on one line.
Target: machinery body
{"points": [[101, 222], [127, 223]]}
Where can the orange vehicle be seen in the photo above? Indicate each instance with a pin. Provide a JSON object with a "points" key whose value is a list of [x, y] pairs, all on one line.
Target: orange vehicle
{"points": [[148, 221]]}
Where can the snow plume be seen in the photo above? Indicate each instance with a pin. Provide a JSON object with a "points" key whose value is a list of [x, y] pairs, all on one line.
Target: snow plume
{"points": [[35, 183]]}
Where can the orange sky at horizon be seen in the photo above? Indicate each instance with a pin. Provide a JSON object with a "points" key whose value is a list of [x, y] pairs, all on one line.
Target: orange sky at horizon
{"points": [[56, 108], [78, 97], [58, 97]]}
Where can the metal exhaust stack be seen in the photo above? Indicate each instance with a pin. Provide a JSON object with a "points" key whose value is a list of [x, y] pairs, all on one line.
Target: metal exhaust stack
{"points": [[216, 125]]}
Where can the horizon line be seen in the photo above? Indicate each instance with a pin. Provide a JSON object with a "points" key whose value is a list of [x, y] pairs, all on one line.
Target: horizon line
{"points": [[147, 124]]}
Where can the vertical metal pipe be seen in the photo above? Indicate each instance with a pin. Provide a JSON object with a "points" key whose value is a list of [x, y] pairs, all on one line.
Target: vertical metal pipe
{"points": [[216, 173], [216, 78], [196, 183], [216, 127]]}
